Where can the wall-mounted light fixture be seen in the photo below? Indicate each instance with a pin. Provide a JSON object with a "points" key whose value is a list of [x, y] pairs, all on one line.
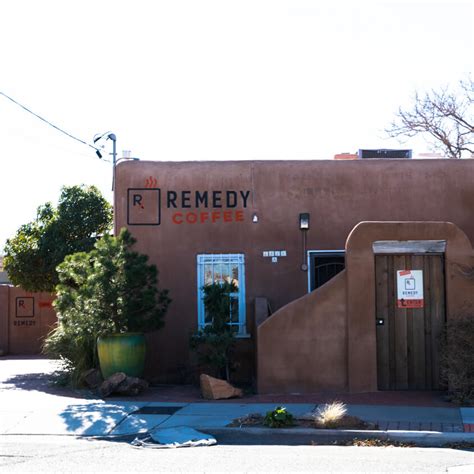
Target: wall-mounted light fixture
{"points": [[304, 227], [254, 217], [304, 221]]}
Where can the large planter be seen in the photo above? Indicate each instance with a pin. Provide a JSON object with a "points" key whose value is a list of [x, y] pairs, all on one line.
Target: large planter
{"points": [[122, 353]]}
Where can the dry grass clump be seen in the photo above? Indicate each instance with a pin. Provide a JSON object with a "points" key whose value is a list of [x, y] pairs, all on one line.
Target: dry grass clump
{"points": [[334, 416], [457, 359], [330, 415]]}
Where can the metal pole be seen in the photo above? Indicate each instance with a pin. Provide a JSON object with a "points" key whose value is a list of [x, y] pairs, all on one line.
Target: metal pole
{"points": [[114, 157]]}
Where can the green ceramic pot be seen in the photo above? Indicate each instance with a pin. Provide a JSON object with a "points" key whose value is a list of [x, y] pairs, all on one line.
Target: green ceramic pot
{"points": [[122, 353]]}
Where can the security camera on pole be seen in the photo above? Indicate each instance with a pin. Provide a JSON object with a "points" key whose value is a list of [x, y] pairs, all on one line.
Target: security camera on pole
{"points": [[108, 136], [112, 136]]}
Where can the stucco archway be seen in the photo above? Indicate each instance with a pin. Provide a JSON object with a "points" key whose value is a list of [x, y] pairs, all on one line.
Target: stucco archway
{"points": [[360, 267]]}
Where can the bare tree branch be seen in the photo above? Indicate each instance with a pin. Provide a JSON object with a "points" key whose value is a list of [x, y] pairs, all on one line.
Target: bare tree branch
{"points": [[444, 115]]}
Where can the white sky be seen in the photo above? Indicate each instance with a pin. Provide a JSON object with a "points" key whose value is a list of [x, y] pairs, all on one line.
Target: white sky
{"points": [[216, 80]]}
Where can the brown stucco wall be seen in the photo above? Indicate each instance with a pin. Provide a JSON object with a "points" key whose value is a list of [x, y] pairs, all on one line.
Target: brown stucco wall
{"points": [[25, 319], [326, 340], [302, 347], [337, 194], [4, 311]]}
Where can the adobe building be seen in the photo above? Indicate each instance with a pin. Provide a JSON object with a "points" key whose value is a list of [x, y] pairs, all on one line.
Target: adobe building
{"points": [[346, 270], [25, 320]]}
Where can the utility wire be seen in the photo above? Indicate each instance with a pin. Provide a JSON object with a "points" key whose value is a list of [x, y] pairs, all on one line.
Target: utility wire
{"points": [[49, 123]]}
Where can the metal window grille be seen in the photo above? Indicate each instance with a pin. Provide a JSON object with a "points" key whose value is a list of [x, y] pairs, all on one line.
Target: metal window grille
{"points": [[218, 268]]}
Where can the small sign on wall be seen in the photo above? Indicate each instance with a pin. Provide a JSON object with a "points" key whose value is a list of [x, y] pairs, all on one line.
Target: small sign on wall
{"points": [[144, 206], [25, 307], [410, 289]]}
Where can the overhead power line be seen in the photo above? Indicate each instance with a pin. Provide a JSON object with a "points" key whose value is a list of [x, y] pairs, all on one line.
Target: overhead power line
{"points": [[48, 122]]}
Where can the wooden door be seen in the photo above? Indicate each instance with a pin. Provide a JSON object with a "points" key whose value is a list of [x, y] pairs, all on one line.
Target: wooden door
{"points": [[408, 338]]}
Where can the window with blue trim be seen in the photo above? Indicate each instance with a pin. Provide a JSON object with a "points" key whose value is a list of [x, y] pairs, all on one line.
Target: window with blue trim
{"points": [[220, 268]]}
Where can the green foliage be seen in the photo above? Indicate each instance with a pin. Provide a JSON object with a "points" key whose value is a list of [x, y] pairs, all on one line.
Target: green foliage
{"points": [[457, 358], [214, 343], [278, 418], [32, 255], [108, 290]]}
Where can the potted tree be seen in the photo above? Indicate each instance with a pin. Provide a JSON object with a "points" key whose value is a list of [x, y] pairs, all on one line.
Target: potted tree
{"points": [[106, 300]]}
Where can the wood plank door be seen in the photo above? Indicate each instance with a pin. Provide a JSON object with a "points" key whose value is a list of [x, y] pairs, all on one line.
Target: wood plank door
{"points": [[408, 337]]}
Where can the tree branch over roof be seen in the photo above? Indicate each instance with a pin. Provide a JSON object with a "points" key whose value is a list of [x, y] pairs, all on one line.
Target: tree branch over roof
{"points": [[446, 116]]}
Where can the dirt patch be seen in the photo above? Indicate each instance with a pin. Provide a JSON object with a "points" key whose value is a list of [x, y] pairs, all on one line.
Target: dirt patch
{"points": [[347, 422], [367, 443]]}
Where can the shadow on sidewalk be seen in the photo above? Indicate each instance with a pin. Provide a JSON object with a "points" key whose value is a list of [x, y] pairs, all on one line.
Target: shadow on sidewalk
{"points": [[43, 383], [96, 419], [35, 373]]}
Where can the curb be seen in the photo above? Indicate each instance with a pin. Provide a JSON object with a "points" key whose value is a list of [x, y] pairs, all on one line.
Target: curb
{"points": [[298, 436]]}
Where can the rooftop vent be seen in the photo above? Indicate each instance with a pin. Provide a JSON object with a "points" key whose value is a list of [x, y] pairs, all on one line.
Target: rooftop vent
{"points": [[385, 153]]}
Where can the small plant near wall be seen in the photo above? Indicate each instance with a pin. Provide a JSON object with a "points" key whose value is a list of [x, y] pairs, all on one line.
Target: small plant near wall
{"points": [[457, 359], [107, 291], [215, 341], [280, 417]]}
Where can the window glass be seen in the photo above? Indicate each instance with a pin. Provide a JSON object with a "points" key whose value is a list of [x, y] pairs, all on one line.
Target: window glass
{"points": [[219, 272], [235, 275], [234, 309], [208, 274], [323, 266], [219, 268]]}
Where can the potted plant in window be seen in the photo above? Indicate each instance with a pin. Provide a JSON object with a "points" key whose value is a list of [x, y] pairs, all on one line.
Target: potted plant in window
{"points": [[106, 300], [215, 341]]}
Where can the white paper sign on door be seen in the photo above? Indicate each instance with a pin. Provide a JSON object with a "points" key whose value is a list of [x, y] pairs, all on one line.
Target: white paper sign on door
{"points": [[410, 288]]}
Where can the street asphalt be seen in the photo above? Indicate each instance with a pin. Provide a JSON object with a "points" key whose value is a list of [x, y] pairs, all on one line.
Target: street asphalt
{"points": [[26, 409]]}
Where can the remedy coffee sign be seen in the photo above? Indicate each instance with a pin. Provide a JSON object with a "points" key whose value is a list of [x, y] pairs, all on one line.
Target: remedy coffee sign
{"points": [[147, 206]]}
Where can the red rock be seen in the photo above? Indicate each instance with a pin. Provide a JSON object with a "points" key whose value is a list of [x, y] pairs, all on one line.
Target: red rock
{"points": [[215, 389]]}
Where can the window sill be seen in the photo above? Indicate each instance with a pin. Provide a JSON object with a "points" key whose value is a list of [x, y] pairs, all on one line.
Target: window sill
{"points": [[244, 335]]}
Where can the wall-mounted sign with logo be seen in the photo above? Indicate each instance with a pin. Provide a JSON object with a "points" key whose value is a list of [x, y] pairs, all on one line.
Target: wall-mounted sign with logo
{"points": [[144, 206], [410, 289], [25, 307], [185, 206], [24, 311]]}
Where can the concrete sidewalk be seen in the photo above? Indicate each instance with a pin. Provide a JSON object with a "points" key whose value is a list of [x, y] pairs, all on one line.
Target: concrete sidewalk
{"points": [[99, 418], [28, 406]]}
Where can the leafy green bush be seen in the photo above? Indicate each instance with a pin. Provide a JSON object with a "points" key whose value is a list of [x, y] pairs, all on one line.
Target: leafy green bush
{"points": [[214, 343], [111, 289], [278, 418], [457, 358], [32, 255]]}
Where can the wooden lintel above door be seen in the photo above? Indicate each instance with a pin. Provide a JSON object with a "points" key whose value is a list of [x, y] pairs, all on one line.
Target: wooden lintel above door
{"points": [[409, 246]]}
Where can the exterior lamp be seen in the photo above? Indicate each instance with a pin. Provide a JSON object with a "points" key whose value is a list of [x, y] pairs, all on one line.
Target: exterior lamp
{"points": [[304, 221], [304, 227]]}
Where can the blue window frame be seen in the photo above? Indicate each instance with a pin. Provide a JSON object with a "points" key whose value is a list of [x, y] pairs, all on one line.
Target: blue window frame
{"points": [[218, 268]]}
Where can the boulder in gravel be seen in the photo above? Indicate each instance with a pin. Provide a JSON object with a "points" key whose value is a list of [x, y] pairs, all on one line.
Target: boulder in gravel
{"points": [[120, 383], [92, 378], [110, 385]]}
